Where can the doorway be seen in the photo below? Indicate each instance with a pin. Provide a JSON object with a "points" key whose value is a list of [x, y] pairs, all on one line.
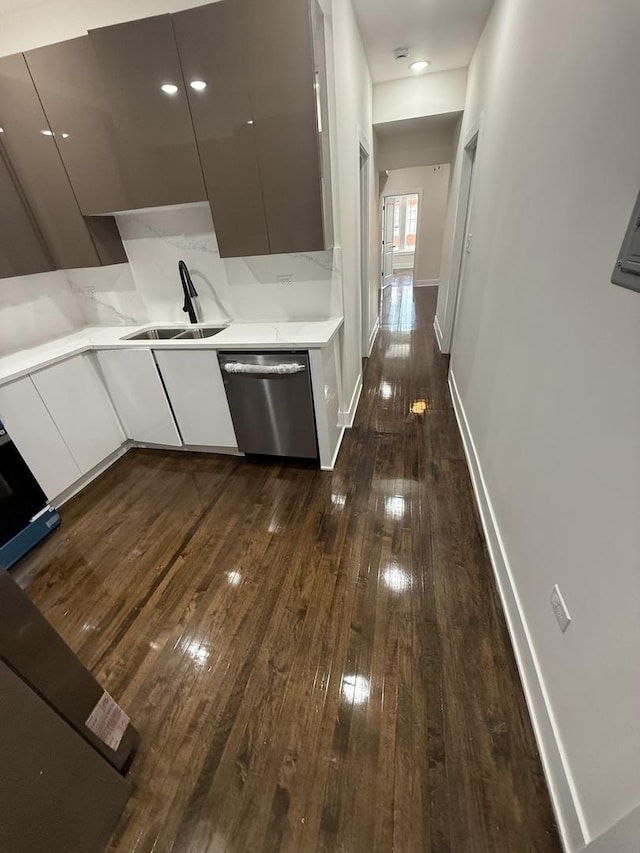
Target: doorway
{"points": [[399, 236], [365, 288], [463, 238]]}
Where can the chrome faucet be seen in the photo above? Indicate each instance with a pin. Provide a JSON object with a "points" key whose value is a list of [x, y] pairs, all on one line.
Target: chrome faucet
{"points": [[189, 292]]}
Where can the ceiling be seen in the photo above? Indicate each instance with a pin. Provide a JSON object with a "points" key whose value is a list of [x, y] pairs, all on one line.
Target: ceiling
{"points": [[443, 31]]}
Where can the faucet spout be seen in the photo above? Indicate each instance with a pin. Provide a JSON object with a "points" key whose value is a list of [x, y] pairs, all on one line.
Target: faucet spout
{"points": [[189, 292]]}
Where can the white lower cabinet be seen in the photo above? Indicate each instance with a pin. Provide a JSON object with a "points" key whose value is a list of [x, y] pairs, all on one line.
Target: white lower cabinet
{"points": [[37, 437], [194, 384], [136, 390], [77, 400]]}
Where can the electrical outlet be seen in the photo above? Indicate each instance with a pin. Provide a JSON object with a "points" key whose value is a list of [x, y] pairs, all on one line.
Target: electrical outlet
{"points": [[560, 609], [284, 279]]}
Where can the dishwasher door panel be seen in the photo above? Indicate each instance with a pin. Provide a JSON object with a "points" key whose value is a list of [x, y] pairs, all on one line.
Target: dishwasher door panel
{"points": [[271, 403]]}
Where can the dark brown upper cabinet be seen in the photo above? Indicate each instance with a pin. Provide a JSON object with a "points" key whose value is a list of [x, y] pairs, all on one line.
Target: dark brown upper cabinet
{"points": [[31, 149], [22, 250], [126, 141], [208, 40], [280, 47], [256, 122]]}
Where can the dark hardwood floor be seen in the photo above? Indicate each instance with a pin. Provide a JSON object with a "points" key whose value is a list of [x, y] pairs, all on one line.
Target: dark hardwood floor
{"points": [[315, 661]]}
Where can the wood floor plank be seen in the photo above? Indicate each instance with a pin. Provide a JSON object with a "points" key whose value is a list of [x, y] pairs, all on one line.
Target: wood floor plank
{"points": [[316, 661]]}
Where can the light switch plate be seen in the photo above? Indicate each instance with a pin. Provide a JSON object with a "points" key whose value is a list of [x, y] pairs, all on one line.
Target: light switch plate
{"points": [[560, 609]]}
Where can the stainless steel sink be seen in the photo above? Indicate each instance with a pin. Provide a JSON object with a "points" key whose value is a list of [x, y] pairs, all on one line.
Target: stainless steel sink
{"points": [[154, 334], [202, 332], [176, 333]]}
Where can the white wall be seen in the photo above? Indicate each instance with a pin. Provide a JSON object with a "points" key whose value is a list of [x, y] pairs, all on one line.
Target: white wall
{"points": [[415, 148], [432, 185], [546, 359], [353, 100], [423, 95]]}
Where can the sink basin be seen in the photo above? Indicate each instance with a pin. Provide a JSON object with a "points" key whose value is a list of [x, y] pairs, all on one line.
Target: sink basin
{"points": [[202, 332], [154, 334], [176, 333]]}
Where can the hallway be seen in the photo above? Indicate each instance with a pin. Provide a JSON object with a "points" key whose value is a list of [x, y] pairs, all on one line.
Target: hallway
{"points": [[315, 661]]}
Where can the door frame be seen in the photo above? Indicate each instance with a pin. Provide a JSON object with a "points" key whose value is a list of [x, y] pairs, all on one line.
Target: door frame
{"points": [[469, 153], [415, 191], [367, 335]]}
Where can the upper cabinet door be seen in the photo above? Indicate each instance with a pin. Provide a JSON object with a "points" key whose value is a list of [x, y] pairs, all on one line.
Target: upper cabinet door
{"points": [[256, 122], [32, 151], [127, 143], [153, 131], [75, 102], [22, 250], [213, 50], [279, 48]]}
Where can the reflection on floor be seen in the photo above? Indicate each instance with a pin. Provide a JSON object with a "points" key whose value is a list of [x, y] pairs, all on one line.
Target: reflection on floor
{"points": [[315, 661], [402, 278]]}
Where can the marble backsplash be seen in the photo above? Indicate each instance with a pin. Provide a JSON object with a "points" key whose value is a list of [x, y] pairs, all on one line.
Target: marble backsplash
{"points": [[37, 308], [228, 289]]}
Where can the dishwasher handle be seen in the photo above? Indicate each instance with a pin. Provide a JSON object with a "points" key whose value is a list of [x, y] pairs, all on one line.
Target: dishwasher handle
{"points": [[270, 369]]}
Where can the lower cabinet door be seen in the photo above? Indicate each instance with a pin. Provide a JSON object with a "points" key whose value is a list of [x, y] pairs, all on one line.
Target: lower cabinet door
{"points": [[36, 436], [136, 390], [78, 402], [194, 384]]}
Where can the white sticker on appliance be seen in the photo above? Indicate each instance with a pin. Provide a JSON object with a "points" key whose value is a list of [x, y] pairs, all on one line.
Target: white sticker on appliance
{"points": [[108, 721]]}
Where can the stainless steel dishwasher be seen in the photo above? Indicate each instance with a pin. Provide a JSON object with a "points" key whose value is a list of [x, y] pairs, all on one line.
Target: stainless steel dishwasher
{"points": [[271, 403]]}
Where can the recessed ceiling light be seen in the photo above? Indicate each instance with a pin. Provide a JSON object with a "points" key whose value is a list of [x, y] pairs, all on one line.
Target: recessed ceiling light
{"points": [[46, 132], [250, 121], [198, 85], [169, 88], [1, 129], [65, 135], [420, 65]]}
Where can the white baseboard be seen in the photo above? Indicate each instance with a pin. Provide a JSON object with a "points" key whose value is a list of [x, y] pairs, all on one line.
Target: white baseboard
{"points": [[373, 335], [332, 464], [438, 331], [190, 448], [346, 418], [426, 282], [570, 820]]}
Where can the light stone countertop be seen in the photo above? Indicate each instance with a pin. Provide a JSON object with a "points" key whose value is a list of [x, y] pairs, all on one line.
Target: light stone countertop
{"points": [[237, 336]]}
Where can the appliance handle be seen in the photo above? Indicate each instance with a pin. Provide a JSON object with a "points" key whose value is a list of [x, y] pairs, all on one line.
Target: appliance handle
{"points": [[277, 369]]}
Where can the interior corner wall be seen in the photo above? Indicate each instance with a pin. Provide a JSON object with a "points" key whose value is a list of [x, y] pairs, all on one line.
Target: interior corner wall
{"points": [[546, 360], [353, 105]]}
